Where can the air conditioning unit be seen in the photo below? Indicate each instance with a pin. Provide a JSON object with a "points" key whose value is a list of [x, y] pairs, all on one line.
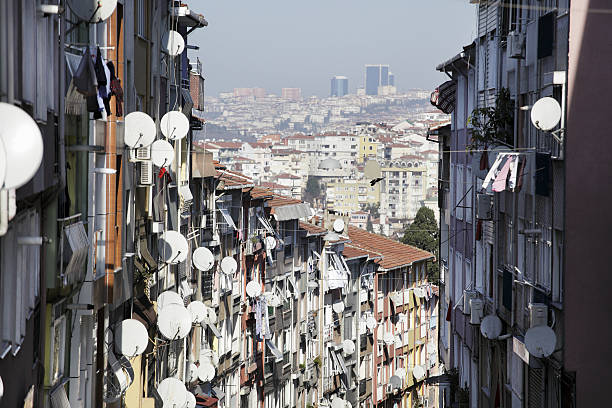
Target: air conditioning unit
{"points": [[484, 206], [538, 314], [157, 227], [389, 388], [516, 45], [476, 311], [140, 153], [467, 296], [145, 173]]}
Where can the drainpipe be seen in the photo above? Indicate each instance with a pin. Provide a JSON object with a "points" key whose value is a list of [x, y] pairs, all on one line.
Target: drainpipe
{"points": [[61, 98]]}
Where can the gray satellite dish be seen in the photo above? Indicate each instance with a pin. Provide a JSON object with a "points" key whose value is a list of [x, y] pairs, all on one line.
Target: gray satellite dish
{"points": [[162, 153], [139, 130], [203, 259], [540, 341], [93, 11], [131, 338], [174, 125], [546, 113], [395, 381], [491, 327], [172, 392], [173, 42]]}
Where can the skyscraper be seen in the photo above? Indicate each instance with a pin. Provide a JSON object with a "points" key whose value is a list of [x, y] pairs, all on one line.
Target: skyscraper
{"points": [[293, 94], [376, 75], [339, 86], [391, 79]]}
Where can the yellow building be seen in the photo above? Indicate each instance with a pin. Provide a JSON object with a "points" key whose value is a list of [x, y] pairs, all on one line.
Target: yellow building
{"points": [[349, 196], [368, 148]]}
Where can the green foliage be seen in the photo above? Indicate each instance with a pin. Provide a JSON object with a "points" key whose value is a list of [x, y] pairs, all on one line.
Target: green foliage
{"points": [[369, 225], [493, 125], [373, 209], [423, 233], [317, 361]]}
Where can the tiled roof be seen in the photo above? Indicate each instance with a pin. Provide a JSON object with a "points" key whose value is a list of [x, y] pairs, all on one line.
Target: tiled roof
{"points": [[394, 253], [279, 201], [312, 229], [259, 192], [300, 136], [233, 179], [287, 176]]}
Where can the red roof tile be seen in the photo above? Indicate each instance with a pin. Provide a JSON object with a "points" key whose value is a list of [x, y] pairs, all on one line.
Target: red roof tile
{"points": [[312, 229]]}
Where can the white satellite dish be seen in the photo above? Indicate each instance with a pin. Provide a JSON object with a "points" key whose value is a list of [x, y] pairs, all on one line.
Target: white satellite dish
{"points": [[540, 341], [401, 373], [398, 341], [215, 360], [203, 259], [93, 11], [272, 299], [174, 322], [23, 146], [168, 298], [348, 347], [206, 372], [418, 372], [389, 339], [173, 247], [491, 327], [173, 42], [131, 338], [1, 389], [402, 318], [193, 372], [172, 392], [253, 289], [198, 311], [338, 306], [229, 265], [270, 242], [139, 130], [162, 153], [546, 113], [211, 316], [337, 402], [371, 323], [191, 400], [348, 404], [3, 161], [338, 225], [174, 125], [419, 292]]}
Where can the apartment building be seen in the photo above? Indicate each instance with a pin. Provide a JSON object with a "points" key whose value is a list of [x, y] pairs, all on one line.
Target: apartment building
{"points": [[515, 329]]}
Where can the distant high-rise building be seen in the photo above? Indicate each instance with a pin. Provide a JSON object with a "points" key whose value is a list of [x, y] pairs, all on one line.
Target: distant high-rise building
{"points": [[376, 75], [339, 86], [293, 94], [391, 79], [246, 92]]}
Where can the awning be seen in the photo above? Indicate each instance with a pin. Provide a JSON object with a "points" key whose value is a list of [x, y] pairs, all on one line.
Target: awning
{"points": [[266, 224], [187, 102], [275, 351], [78, 246], [228, 218], [198, 114], [215, 331], [188, 17], [218, 392], [341, 362], [443, 97], [292, 212]]}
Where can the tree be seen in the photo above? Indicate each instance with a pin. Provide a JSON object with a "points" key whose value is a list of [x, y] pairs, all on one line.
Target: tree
{"points": [[313, 189], [373, 210], [369, 225], [423, 233]]}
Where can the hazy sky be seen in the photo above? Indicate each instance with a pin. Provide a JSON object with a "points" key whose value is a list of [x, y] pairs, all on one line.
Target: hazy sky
{"points": [[289, 43]]}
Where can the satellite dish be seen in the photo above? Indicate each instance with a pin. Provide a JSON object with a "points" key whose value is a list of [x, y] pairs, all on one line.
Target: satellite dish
{"points": [[168, 298], [191, 400], [398, 341], [418, 372], [93, 11], [395, 381], [173, 42], [139, 129], [389, 339], [348, 404], [546, 113], [2, 163], [229, 265], [173, 247], [491, 327], [371, 323], [211, 316], [253, 289], [206, 372], [338, 306], [22, 146], [193, 372], [1, 389], [339, 225], [162, 153], [172, 392], [337, 403], [401, 373], [402, 318], [131, 338], [198, 311], [273, 299], [270, 242], [174, 322], [540, 341], [174, 125], [203, 259], [419, 292], [348, 347]]}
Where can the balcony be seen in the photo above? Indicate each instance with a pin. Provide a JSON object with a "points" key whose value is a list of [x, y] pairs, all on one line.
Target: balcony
{"points": [[365, 388]]}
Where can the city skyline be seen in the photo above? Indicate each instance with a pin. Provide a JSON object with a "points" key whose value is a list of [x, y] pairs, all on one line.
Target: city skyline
{"points": [[284, 50]]}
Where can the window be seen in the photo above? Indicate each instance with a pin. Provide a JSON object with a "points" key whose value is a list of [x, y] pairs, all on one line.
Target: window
{"points": [[141, 16], [58, 346], [458, 275], [460, 202], [468, 198]]}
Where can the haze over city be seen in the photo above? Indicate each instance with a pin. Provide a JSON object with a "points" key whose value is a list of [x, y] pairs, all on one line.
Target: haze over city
{"points": [[275, 44]]}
